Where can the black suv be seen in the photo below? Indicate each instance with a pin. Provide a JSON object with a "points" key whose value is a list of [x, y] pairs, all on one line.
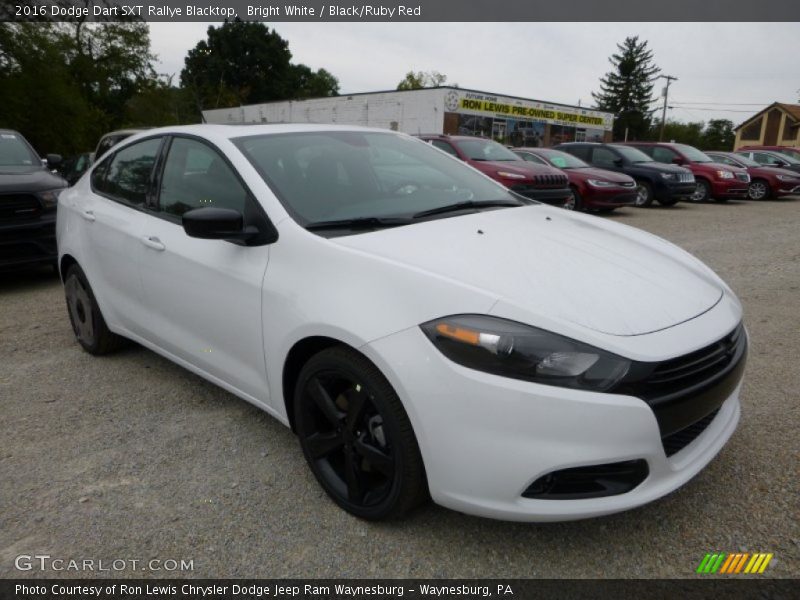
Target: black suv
{"points": [[666, 183], [28, 199]]}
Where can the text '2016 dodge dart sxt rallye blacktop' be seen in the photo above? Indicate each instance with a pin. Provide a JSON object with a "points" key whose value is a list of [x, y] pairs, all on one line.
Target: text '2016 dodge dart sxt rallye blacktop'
{"points": [[424, 330]]}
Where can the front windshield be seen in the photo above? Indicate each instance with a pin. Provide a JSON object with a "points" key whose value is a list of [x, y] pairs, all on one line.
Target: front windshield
{"points": [[479, 149], [693, 154], [741, 160], [562, 160], [336, 175], [15, 155], [788, 158], [632, 154]]}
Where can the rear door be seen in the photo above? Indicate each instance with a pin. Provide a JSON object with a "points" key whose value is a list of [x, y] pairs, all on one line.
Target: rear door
{"points": [[204, 296], [112, 218]]}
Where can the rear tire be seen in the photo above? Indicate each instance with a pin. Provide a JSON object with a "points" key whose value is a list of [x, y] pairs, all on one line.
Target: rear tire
{"points": [[356, 436], [87, 321], [644, 194]]}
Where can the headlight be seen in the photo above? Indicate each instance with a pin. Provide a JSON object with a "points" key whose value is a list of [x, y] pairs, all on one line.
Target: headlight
{"points": [[511, 349], [724, 174], [669, 176], [49, 198], [600, 183], [787, 178], [509, 175]]}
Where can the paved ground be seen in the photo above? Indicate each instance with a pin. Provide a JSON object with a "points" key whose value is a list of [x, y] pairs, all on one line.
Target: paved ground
{"points": [[131, 457]]}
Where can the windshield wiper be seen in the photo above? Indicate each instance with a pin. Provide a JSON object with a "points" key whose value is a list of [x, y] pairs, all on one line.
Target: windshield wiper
{"points": [[359, 223], [465, 205]]}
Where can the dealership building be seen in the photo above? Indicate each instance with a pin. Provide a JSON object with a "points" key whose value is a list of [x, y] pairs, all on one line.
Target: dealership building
{"points": [[508, 119]]}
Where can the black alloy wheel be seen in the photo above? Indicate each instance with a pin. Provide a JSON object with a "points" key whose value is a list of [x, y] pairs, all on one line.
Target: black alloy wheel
{"points": [[356, 436]]}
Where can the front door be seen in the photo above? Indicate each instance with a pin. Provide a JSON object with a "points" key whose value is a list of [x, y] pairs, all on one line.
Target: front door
{"points": [[204, 296]]}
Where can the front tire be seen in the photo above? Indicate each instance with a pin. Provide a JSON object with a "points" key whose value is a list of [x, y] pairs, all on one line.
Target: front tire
{"points": [[668, 201], [356, 436], [702, 193], [575, 202], [87, 321], [759, 190], [644, 195]]}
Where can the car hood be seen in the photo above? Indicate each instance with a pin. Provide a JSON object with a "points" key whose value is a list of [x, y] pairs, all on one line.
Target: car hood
{"points": [[660, 167], [594, 173], [772, 171], [36, 180], [521, 166], [600, 275]]}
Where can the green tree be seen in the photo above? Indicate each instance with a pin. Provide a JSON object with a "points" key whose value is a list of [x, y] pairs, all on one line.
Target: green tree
{"points": [[719, 135], [421, 79], [627, 90], [245, 63], [682, 133]]}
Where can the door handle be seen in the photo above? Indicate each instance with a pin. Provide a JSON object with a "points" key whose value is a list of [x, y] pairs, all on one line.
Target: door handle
{"points": [[153, 242], [88, 215]]}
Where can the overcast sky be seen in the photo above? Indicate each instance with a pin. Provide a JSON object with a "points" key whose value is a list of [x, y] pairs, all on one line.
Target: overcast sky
{"points": [[738, 67]]}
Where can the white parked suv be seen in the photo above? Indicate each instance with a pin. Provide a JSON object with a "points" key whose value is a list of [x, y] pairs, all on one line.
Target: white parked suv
{"points": [[424, 331]]}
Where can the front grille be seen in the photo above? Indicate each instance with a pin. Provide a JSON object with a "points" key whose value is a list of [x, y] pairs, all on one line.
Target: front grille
{"points": [[743, 177], [550, 180], [677, 441], [683, 391], [686, 177], [15, 207]]}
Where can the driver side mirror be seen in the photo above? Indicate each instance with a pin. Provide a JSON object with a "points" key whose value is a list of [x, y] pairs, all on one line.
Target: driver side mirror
{"points": [[212, 223], [619, 162], [677, 160], [53, 160]]}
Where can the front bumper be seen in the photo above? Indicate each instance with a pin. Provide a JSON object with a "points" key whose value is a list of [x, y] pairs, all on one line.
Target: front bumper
{"points": [[28, 242], [729, 188], [666, 190], [788, 190], [485, 439], [609, 197], [548, 195]]}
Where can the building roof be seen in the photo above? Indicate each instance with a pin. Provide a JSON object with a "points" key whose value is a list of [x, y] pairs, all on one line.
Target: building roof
{"points": [[793, 110]]}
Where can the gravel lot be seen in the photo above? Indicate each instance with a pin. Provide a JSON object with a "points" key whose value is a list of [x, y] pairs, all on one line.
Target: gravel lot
{"points": [[132, 457]]}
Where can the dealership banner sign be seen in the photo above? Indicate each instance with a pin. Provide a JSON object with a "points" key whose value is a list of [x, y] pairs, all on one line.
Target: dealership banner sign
{"points": [[510, 108]]}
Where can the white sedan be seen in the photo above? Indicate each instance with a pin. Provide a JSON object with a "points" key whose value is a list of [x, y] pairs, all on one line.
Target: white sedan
{"points": [[424, 331]]}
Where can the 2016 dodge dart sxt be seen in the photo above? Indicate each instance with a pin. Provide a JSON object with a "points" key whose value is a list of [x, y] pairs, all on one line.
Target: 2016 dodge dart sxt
{"points": [[424, 330]]}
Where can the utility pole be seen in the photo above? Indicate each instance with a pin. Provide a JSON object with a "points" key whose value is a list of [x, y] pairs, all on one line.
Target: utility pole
{"points": [[669, 79]]}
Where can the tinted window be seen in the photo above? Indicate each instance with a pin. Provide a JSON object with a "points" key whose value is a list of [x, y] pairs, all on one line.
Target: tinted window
{"points": [[444, 146], [479, 149], [718, 158], [581, 152], [764, 159], [664, 155], [127, 176], [603, 157], [634, 155], [196, 176]]}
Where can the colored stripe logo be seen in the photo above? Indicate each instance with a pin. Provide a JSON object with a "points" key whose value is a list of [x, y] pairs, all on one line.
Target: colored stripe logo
{"points": [[734, 564]]}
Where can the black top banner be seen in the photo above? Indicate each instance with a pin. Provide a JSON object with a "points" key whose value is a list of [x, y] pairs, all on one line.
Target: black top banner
{"points": [[402, 11]]}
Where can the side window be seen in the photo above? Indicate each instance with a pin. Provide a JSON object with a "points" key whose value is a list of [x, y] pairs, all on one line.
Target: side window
{"points": [[724, 160], [603, 157], [765, 159], [581, 152], [444, 146], [664, 155], [196, 176], [127, 176], [532, 158]]}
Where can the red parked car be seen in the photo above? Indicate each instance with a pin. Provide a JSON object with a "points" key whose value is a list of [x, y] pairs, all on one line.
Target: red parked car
{"points": [[765, 182], [714, 180], [790, 150], [535, 181], [592, 188]]}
